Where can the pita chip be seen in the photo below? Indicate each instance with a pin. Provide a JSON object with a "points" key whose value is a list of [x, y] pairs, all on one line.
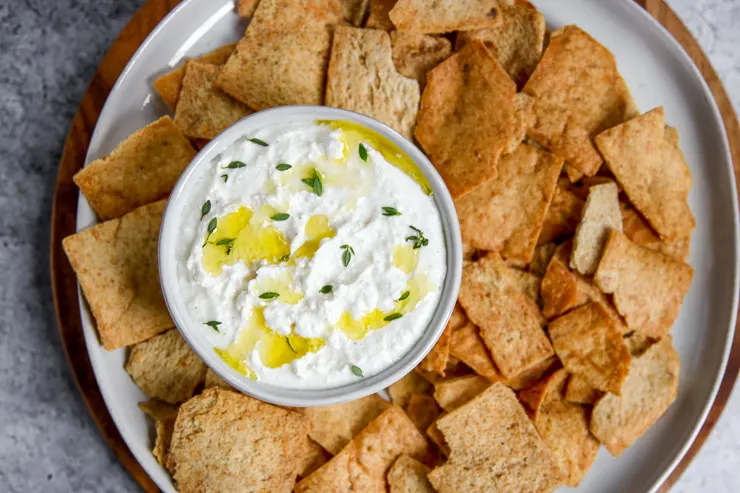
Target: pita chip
{"points": [[650, 388], [312, 457], [292, 15], [444, 16], [506, 213], [359, 59], [524, 119], [408, 475], [412, 383], [652, 171], [467, 345], [648, 287], [454, 392], [116, 265], [580, 391], [562, 216], [416, 54], [639, 232], [541, 258], [437, 358], [601, 214], [246, 8], [142, 169], [213, 380], [578, 94], [466, 118], [164, 416], [422, 410], [354, 11], [378, 17]]}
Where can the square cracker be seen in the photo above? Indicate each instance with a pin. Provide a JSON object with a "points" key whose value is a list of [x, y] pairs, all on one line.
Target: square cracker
{"points": [[589, 343], [652, 171], [354, 11], [378, 17], [412, 383], [334, 426], [516, 39], [360, 58], [416, 54], [510, 322], [639, 231], [467, 346], [164, 416], [203, 110], [444, 16], [164, 367], [454, 392], [564, 427], [116, 266], [601, 214], [246, 8], [650, 388], [506, 213], [648, 287], [169, 85], [408, 475], [562, 216], [578, 94], [140, 170], [364, 462], [494, 447], [278, 67], [466, 117]]}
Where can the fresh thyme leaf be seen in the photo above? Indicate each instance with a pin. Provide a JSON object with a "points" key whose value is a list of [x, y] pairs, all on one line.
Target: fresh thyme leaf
{"points": [[269, 295], [363, 152], [259, 142], [283, 167], [234, 165], [318, 187], [205, 209], [225, 177], [392, 317], [229, 242], [280, 217], [357, 371], [391, 211], [213, 324], [419, 239], [347, 254], [404, 295], [284, 258], [211, 228], [326, 289], [308, 181]]}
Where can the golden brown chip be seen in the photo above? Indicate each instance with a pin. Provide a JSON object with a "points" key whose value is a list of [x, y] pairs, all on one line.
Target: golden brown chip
{"points": [[278, 67], [291, 15], [589, 343], [650, 388], [116, 266], [213, 380], [652, 172], [466, 117], [494, 447], [541, 258], [312, 457], [413, 383], [164, 416], [454, 392], [436, 436], [601, 214], [444, 16], [168, 85], [409, 476], [226, 442], [378, 17], [510, 323], [142, 169], [562, 217], [334, 426], [516, 39], [354, 11], [204, 111], [640, 233], [164, 367], [531, 375], [246, 8], [648, 287], [416, 54], [506, 213], [527, 282], [362, 465], [524, 118], [580, 391], [578, 94], [422, 410], [468, 347], [437, 358], [360, 59], [637, 342]]}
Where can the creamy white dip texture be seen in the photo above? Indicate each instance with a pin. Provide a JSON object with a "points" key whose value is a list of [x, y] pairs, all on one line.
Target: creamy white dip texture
{"points": [[298, 283]]}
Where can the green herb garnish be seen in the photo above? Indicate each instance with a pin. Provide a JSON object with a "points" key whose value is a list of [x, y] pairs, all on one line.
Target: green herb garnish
{"points": [[269, 295], [234, 165], [225, 177], [205, 209], [213, 324], [211, 228], [418, 239], [404, 295], [390, 211], [283, 167], [357, 371], [347, 255], [326, 289], [229, 242], [280, 217], [287, 339], [259, 142], [315, 183], [284, 258], [392, 317], [363, 152]]}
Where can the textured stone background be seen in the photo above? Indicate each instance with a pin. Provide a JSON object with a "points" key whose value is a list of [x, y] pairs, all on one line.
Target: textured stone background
{"points": [[49, 50]]}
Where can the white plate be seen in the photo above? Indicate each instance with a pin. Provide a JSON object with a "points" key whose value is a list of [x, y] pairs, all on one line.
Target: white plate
{"points": [[658, 73]]}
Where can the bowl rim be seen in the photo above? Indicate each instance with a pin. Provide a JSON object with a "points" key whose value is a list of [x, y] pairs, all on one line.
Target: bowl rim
{"points": [[167, 263]]}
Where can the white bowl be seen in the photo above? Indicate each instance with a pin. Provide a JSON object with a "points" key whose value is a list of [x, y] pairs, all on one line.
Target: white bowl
{"points": [[172, 255]]}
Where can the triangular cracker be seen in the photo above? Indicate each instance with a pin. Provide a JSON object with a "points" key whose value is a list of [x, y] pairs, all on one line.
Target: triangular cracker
{"points": [[444, 16], [601, 214]]}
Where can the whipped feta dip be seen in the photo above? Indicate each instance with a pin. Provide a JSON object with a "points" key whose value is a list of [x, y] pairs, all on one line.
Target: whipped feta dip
{"points": [[318, 255]]}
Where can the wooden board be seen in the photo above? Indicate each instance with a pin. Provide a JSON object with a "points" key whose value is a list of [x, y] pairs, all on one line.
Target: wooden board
{"points": [[64, 215]]}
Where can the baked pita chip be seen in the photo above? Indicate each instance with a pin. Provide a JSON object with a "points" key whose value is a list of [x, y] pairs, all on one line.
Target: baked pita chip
{"points": [[454, 392], [639, 232], [578, 94], [444, 16], [142, 169], [165, 368], [437, 358], [494, 447], [213, 380], [409, 476], [360, 58], [168, 85], [278, 67], [416, 54], [652, 171], [334, 426], [293, 15], [362, 465], [436, 436], [422, 410], [580, 391], [116, 266], [637, 342], [589, 343], [228, 442], [601, 214], [312, 457], [378, 17], [506, 213], [164, 416], [246, 8], [510, 322], [467, 345], [541, 258], [527, 283], [562, 216], [524, 119], [412, 383], [354, 11], [516, 39], [648, 287], [466, 117], [650, 388]]}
